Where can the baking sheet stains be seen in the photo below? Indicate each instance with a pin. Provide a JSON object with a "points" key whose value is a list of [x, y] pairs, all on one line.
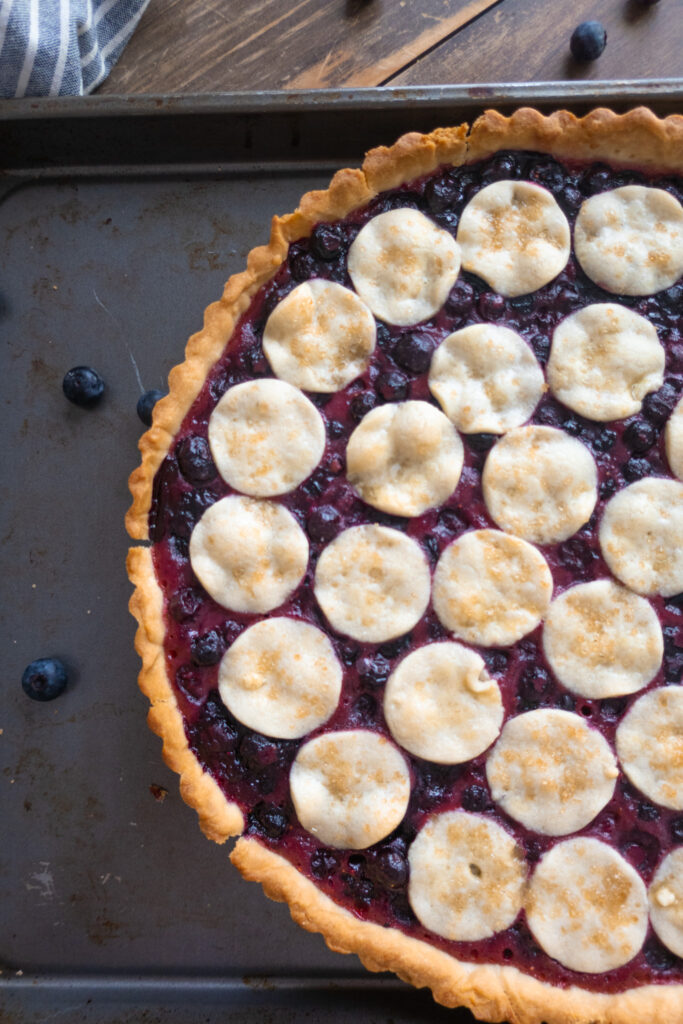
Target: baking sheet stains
{"points": [[42, 882]]}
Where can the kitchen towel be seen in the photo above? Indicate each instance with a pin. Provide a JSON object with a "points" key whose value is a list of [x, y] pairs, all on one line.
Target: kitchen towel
{"points": [[62, 47]]}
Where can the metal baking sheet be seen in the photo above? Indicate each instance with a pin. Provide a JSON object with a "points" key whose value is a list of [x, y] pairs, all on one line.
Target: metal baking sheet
{"points": [[120, 220]]}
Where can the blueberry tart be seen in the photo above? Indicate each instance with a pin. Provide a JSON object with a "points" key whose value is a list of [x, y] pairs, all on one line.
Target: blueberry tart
{"points": [[411, 617]]}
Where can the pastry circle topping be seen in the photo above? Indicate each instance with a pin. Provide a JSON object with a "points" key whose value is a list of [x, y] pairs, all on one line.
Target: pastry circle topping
{"points": [[515, 236], [550, 771], [486, 379], [249, 555], [403, 266], [441, 704], [372, 583], [405, 458], [319, 337], [666, 901], [650, 745], [266, 437], [641, 536], [350, 789], [467, 876], [604, 359], [540, 484], [491, 588], [674, 440], [586, 906], [281, 678], [602, 641], [630, 240]]}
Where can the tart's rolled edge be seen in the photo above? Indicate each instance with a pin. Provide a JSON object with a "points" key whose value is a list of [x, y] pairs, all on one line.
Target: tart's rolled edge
{"points": [[385, 167], [219, 818], [637, 138], [492, 992]]}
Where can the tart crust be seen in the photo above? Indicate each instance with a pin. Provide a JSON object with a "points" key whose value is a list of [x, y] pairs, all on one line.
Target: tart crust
{"points": [[492, 992]]}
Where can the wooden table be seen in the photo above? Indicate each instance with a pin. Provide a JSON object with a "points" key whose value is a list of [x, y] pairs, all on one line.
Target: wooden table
{"points": [[199, 46]]}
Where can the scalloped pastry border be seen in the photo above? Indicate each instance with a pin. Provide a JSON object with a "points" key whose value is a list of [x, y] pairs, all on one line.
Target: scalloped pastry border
{"points": [[492, 992]]}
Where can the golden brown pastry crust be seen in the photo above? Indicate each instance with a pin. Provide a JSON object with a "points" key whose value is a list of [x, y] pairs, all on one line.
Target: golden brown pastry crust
{"points": [[493, 993], [637, 138]]}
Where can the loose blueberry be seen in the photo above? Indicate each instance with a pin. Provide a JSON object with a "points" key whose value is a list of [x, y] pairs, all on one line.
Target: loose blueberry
{"points": [[636, 469], [392, 386], [676, 828], [639, 435], [641, 849], [647, 812], [451, 522], [576, 556], [441, 193], [324, 863], [322, 523], [146, 403], [604, 441], [257, 751], [608, 488], [658, 404], [302, 266], [373, 670], [597, 179], [613, 708], [44, 679], [348, 652], [658, 957], [547, 173], [566, 702], [83, 386], [588, 41], [392, 648], [491, 306], [364, 710], [208, 648], [184, 604], [327, 241], [195, 460], [414, 353], [336, 429], [496, 661], [361, 404], [503, 167], [461, 299], [571, 198], [389, 869], [190, 508], [481, 442], [269, 819], [359, 889], [475, 798]]}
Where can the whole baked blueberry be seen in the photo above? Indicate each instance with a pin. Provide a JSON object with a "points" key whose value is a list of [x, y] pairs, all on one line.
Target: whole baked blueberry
{"points": [[44, 679], [327, 241], [323, 523], [639, 435], [461, 298], [195, 460], [146, 403], [392, 386], [588, 41], [270, 819], [207, 649], [83, 386], [413, 352]]}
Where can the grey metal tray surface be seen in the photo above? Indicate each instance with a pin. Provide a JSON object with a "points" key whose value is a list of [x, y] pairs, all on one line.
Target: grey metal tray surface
{"points": [[120, 221]]}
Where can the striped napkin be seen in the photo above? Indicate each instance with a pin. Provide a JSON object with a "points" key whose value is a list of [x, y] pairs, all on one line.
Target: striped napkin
{"points": [[62, 47]]}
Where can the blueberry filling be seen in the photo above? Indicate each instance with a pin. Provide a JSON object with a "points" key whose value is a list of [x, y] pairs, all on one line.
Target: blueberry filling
{"points": [[253, 769]]}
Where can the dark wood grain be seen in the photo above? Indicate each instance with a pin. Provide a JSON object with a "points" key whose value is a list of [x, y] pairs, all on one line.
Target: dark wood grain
{"points": [[528, 40], [219, 45]]}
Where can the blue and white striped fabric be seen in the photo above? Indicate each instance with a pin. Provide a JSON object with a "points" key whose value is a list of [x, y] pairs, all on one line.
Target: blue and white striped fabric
{"points": [[62, 47]]}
